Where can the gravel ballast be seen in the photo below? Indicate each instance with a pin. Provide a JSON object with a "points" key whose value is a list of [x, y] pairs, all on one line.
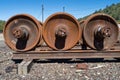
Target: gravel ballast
{"points": [[58, 69]]}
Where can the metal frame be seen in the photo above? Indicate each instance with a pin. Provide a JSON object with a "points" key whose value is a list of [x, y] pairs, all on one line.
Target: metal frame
{"points": [[47, 53], [73, 53]]}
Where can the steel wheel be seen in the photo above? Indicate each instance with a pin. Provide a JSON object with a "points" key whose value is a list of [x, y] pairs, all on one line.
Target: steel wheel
{"points": [[100, 31], [61, 31], [22, 32]]}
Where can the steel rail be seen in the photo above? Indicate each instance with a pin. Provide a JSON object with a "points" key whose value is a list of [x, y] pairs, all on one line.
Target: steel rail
{"points": [[66, 54]]}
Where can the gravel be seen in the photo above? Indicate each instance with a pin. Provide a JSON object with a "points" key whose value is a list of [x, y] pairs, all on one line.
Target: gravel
{"points": [[58, 69]]}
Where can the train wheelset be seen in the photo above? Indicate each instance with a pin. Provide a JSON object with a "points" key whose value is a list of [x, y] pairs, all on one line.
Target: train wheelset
{"points": [[63, 36]]}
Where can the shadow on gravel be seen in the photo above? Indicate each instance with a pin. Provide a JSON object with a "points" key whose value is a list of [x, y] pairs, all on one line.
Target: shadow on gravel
{"points": [[17, 61], [100, 60]]}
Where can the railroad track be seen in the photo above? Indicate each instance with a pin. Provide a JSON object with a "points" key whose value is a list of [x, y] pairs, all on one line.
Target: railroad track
{"points": [[61, 36], [73, 53]]}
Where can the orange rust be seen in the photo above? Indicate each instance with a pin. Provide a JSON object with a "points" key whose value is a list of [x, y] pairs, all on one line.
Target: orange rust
{"points": [[30, 24], [70, 29]]}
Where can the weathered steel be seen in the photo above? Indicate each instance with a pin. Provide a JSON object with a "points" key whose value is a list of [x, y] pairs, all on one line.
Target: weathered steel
{"points": [[73, 53], [41, 38], [81, 23], [119, 34], [22, 32], [61, 31], [100, 31]]}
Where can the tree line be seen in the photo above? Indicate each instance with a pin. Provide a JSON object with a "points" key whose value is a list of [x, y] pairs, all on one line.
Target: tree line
{"points": [[112, 10], [2, 23]]}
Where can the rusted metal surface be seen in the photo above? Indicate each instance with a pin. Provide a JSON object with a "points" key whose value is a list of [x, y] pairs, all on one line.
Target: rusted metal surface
{"points": [[73, 53], [81, 23], [100, 31], [41, 41], [119, 34], [66, 54], [61, 31], [82, 66], [22, 32]]}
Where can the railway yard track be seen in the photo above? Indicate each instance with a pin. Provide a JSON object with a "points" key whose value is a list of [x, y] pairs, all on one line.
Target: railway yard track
{"points": [[61, 48], [55, 69]]}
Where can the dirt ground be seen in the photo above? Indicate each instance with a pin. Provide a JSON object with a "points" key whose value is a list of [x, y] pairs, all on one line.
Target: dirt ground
{"points": [[96, 69]]}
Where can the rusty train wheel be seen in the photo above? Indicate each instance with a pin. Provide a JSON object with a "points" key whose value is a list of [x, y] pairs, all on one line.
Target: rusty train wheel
{"points": [[81, 23], [100, 31], [22, 32], [41, 38], [61, 31]]}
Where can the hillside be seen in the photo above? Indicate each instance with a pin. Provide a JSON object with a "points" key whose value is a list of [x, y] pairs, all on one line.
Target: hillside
{"points": [[112, 10]]}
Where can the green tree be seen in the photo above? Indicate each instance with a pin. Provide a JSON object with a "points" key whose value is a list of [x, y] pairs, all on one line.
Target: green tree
{"points": [[112, 10], [2, 23]]}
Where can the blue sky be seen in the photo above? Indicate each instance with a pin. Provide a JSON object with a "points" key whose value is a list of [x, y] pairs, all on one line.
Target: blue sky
{"points": [[78, 8]]}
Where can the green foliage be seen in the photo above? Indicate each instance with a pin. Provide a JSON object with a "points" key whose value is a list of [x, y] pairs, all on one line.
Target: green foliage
{"points": [[112, 10], [2, 23]]}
